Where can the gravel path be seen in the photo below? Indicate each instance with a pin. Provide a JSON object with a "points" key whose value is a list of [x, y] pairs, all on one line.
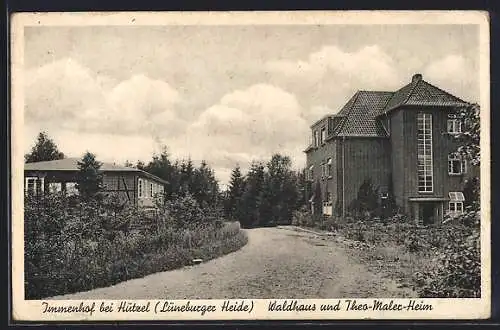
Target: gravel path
{"points": [[276, 263]]}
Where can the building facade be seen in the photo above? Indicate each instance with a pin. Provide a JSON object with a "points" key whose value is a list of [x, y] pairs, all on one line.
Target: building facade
{"points": [[130, 185], [401, 141]]}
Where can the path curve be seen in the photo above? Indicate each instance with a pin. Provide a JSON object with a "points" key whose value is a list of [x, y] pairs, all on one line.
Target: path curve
{"points": [[276, 263]]}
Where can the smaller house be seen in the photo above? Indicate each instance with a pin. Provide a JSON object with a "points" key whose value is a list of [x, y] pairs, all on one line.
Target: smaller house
{"points": [[131, 185]]}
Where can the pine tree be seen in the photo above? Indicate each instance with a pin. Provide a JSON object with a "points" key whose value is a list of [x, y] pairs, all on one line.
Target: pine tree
{"points": [[281, 189], [252, 195], [89, 182], [44, 149], [235, 194]]}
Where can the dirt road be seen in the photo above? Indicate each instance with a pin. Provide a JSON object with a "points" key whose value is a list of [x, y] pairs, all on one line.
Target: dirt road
{"points": [[276, 263]]}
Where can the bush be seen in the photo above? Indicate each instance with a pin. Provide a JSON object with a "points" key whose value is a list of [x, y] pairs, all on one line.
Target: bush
{"points": [[302, 217], [456, 271], [86, 246]]}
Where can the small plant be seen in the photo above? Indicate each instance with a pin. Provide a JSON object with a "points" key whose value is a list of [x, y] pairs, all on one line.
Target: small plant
{"points": [[70, 249]]}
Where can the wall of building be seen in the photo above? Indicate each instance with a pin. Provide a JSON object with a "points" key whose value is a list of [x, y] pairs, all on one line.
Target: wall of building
{"points": [[122, 184], [365, 158], [148, 196], [404, 158], [317, 157]]}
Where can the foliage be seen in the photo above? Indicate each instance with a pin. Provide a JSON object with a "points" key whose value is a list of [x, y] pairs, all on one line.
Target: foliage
{"points": [[471, 192], [185, 179], [44, 149], [251, 207], [469, 139], [233, 202], [452, 249], [317, 199], [303, 218], [96, 244], [366, 202], [456, 270], [268, 195], [89, 179]]}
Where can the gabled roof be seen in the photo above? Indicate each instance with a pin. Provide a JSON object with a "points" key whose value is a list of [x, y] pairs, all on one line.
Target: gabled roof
{"points": [[420, 93], [360, 113], [71, 164], [358, 117]]}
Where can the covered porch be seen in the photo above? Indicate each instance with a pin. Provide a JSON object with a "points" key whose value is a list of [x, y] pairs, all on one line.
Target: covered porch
{"points": [[427, 210]]}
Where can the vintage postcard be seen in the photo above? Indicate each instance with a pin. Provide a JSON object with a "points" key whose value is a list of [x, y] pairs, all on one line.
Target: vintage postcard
{"points": [[250, 165]]}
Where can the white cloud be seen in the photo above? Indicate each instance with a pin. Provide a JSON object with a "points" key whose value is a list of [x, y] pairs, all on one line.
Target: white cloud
{"points": [[71, 96], [328, 77], [247, 125], [107, 147], [455, 74], [368, 66]]}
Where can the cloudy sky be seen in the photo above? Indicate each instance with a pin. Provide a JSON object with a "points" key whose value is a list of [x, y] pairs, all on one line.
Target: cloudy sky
{"points": [[224, 94]]}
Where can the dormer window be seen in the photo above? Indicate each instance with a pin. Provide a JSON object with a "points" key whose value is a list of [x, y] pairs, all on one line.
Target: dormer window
{"points": [[454, 124]]}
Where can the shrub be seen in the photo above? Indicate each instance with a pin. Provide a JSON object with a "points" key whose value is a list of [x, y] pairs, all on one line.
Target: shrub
{"points": [[456, 271], [302, 217], [70, 249]]}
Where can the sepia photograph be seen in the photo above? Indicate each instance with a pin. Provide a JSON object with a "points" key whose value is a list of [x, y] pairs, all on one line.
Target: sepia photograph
{"points": [[242, 159]]}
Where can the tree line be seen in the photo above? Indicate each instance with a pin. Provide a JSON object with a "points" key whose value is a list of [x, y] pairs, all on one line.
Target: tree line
{"points": [[267, 194]]}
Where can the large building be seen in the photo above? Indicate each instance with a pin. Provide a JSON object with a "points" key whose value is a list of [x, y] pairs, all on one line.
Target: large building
{"points": [[130, 184], [402, 141]]}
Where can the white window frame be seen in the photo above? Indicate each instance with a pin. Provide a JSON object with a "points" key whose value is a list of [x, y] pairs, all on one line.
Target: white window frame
{"points": [[454, 124], [452, 158], [456, 203], [310, 173], [35, 181], [151, 189], [323, 135], [140, 188], [57, 185], [327, 204], [73, 191], [425, 173], [329, 163], [316, 138]]}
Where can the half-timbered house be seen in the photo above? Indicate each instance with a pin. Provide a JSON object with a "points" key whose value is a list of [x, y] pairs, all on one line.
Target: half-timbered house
{"points": [[131, 185]]}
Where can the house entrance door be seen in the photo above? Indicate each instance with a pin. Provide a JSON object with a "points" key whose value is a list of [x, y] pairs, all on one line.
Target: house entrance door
{"points": [[427, 213]]}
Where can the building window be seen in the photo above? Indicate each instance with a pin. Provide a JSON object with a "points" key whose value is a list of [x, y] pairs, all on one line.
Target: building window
{"points": [[329, 164], [140, 188], [456, 204], [424, 152], [55, 187], [310, 173], [456, 164], [327, 204], [316, 138], [323, 170], [151, 190], [71, 188], [30, 186], [323, 135], [454, 124]]}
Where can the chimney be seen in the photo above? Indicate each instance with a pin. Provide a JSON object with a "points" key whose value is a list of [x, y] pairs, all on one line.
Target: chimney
{"points": [[416, 77]]}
